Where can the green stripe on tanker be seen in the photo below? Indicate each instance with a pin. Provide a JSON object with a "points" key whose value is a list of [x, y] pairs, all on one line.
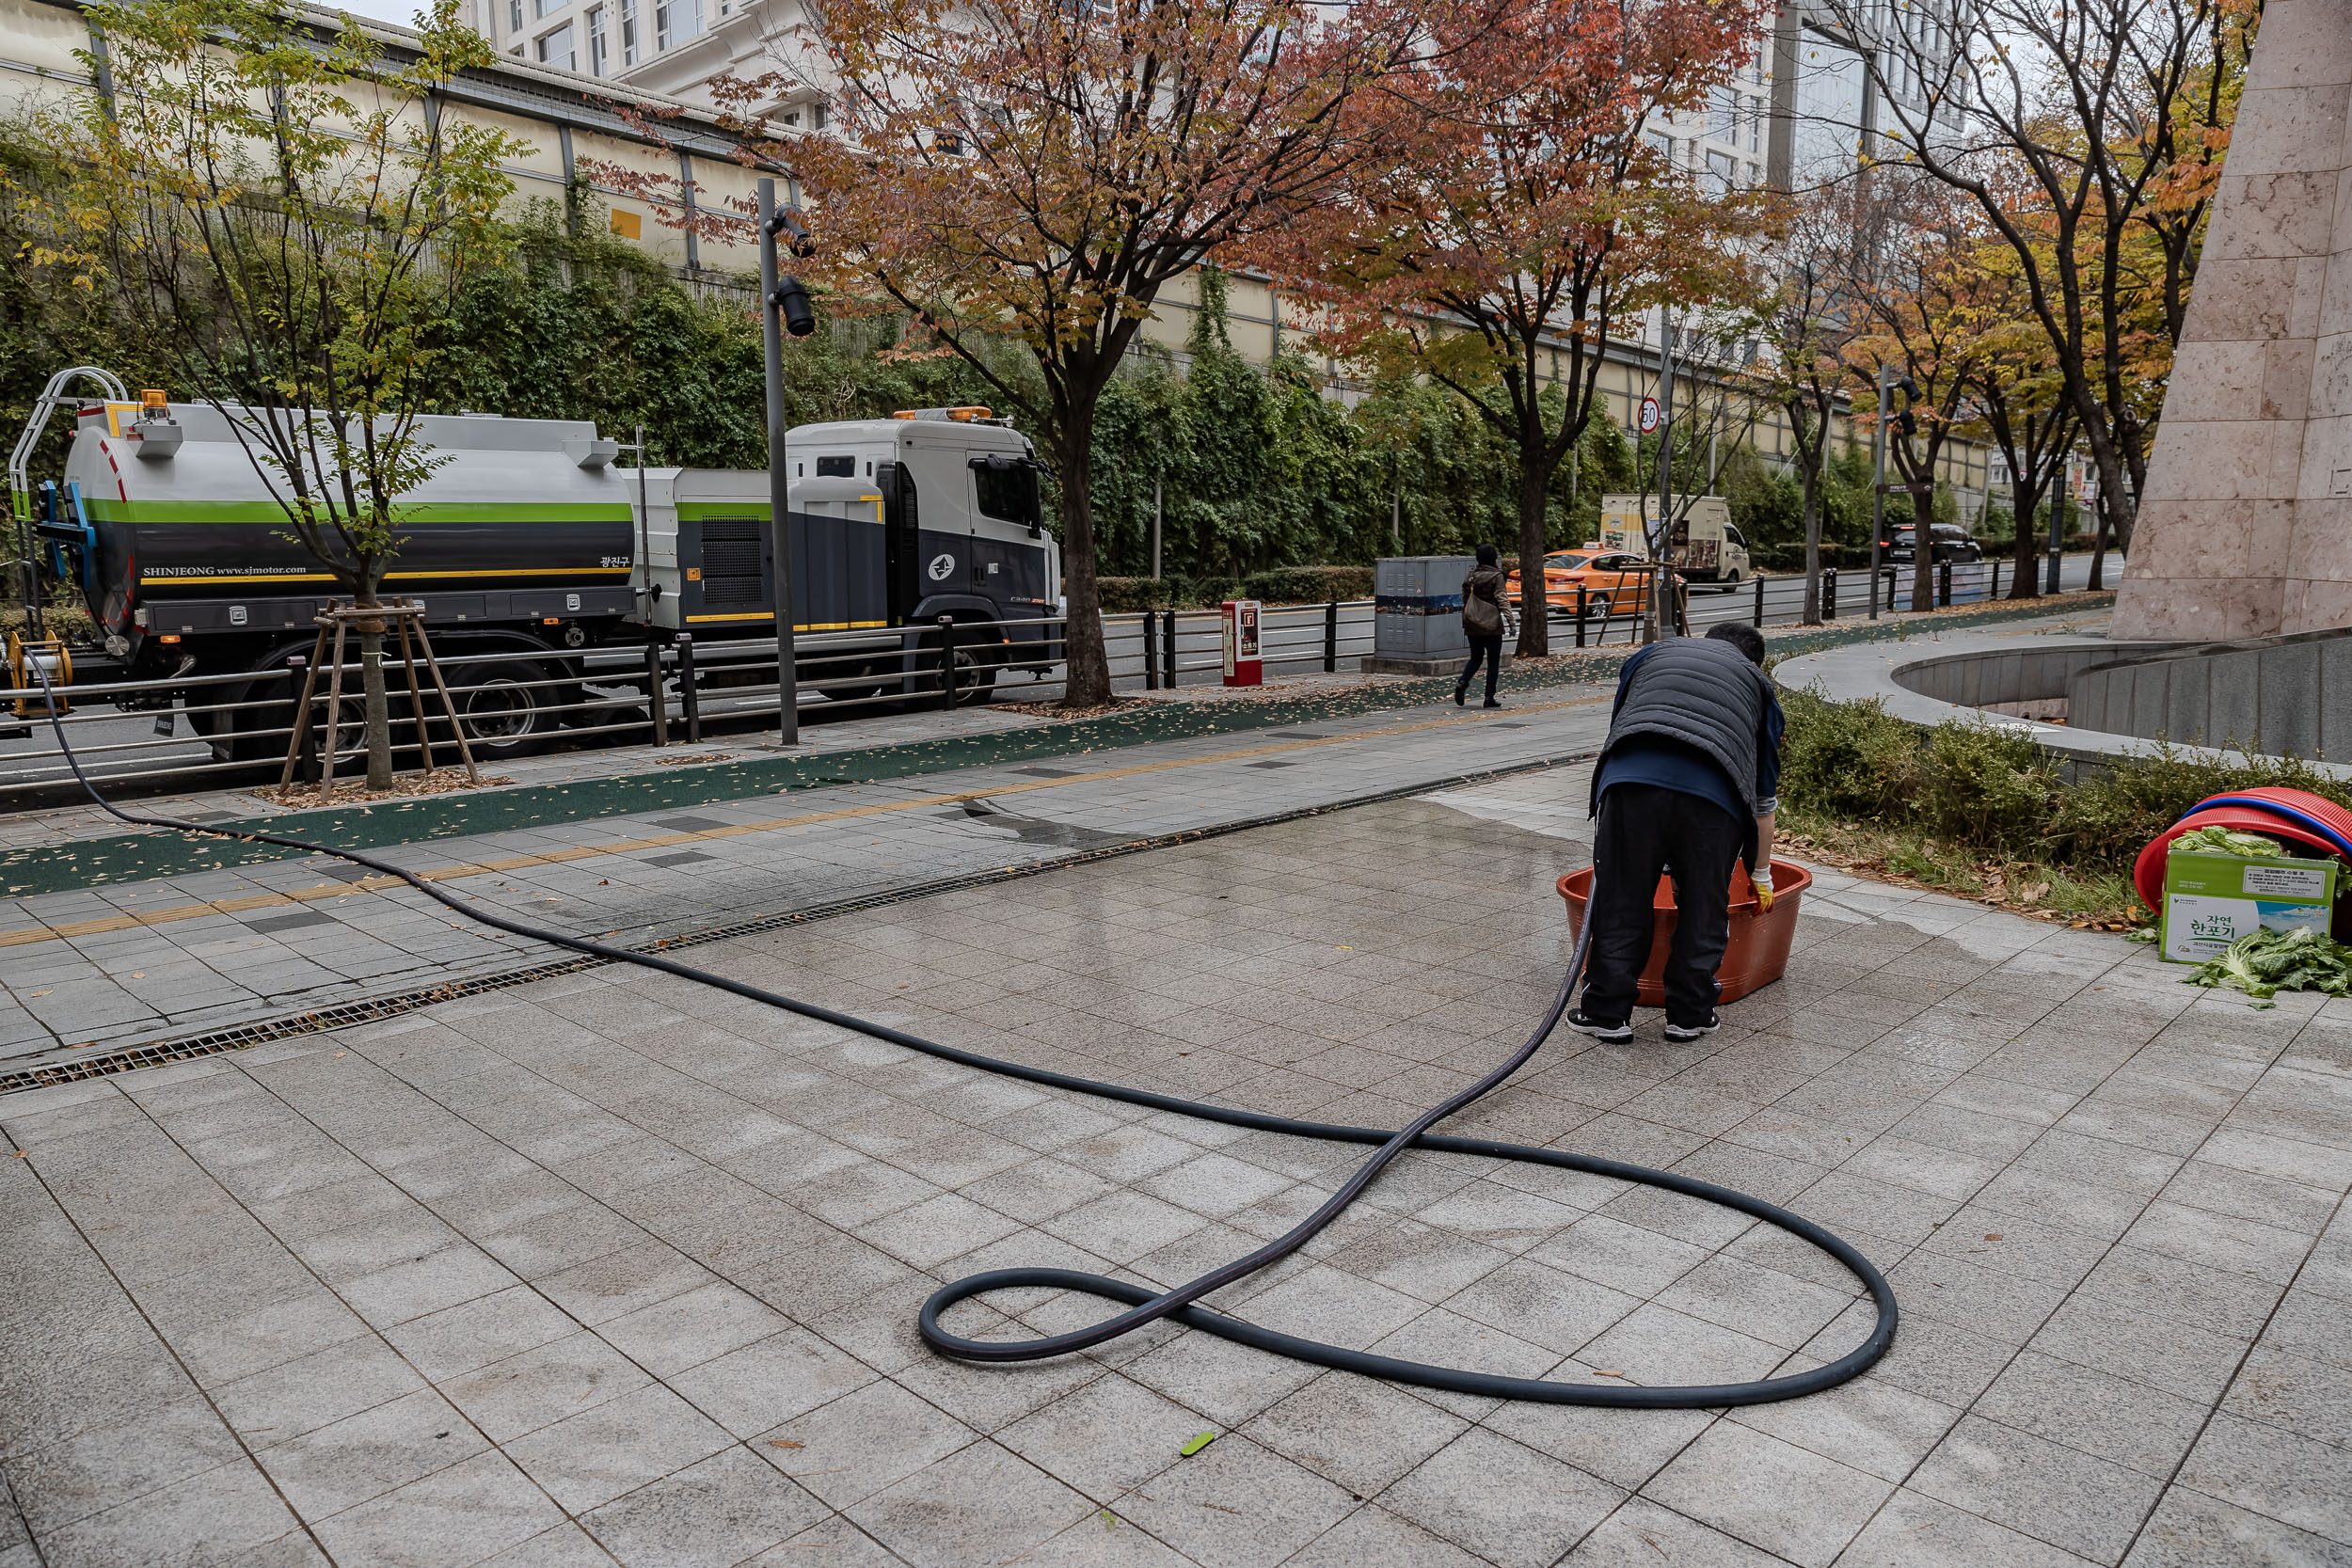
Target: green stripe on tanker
{"points": [[248, 513]]}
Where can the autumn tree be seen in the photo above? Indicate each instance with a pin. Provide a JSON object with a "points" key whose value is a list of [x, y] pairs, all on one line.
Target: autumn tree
{"points": [[2018, 400], [291, 225], [1917, 291], [1524, 220], [1045, 171], [1809, 322], [2073, 129]]}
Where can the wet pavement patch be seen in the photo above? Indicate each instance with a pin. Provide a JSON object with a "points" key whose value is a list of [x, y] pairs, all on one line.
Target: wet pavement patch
{"points": [[290, 922]]}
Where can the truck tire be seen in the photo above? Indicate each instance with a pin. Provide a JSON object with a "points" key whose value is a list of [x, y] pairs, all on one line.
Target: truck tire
{"points": [[976, 673], [508, 708]]}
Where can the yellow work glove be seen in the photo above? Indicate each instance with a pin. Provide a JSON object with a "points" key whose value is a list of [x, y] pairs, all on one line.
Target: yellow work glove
{"points": [[1763, 886]]}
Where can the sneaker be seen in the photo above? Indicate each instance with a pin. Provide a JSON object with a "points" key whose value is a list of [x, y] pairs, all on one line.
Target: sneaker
{"points": [[1608, 1034], [1683, 1033], [1458, 696], [1491, 703]]}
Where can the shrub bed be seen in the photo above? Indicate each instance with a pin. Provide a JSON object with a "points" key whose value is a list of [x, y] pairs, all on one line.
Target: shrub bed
{"points": [[1281, 585], [1982, 812]]}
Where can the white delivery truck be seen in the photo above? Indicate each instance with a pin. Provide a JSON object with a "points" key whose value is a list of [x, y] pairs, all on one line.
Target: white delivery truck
{"points": [[1704, 547]]}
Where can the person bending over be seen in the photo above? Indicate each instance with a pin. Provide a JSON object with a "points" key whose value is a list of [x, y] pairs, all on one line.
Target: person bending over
{"points": [[1686, 784]]}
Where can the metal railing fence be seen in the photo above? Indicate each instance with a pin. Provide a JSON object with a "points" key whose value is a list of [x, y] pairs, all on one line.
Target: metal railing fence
{"points": [[218, 729]]}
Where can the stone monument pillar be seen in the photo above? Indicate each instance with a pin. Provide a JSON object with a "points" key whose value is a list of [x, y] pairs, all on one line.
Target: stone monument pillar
{"points": [[2246, 530]]}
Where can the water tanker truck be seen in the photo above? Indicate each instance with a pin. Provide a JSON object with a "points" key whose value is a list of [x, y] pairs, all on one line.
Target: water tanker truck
{"points": [[530, 539]]}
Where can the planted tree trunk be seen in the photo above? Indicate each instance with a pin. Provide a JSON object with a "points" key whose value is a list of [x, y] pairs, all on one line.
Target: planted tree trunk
{"points": [[2025, 582], [378, 707], [1534, 603], [1088, 682]]}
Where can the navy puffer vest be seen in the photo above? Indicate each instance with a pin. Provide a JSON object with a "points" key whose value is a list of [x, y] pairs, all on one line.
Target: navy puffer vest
{"points": [[1703, 693]]}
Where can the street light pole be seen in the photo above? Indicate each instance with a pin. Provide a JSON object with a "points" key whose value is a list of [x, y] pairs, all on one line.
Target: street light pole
{"points": [[2060, 496], [1878, 496], [783, 306], [1662, 616]]}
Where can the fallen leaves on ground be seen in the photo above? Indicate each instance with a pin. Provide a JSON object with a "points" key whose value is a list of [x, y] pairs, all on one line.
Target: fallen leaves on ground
{"points": [[1993, 887], [406, 786]]}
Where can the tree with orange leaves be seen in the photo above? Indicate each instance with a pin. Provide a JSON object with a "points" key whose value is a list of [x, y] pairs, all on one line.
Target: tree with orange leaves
{"points": [[2081, 133], [1041, 171], [1918, 285], [1526, 218]]}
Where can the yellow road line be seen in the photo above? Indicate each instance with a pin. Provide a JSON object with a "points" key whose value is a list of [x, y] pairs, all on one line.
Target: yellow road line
{"points": [[178, 912]]}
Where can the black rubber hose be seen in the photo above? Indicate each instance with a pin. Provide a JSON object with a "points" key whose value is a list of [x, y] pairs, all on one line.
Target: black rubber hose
{"points": [[1148, 1306]]}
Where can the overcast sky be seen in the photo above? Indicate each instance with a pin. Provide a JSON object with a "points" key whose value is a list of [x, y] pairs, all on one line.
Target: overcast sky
{"points": [[402, 11]]}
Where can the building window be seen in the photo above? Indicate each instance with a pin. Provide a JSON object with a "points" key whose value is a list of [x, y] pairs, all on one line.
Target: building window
{"points": [[597, 58], [1723, 116], [629, 33], [555, 48], [513, 17], [1663, 144], [819, 115], [1756, 125], [1720, 178], [543, 7], [661, 26]]}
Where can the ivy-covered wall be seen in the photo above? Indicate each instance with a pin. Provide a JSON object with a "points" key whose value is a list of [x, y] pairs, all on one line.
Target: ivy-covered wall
{"points": [[1257, 469]]}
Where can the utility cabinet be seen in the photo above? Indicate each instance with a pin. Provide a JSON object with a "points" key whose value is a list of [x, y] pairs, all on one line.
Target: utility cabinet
{"points": [[1417, 614]]}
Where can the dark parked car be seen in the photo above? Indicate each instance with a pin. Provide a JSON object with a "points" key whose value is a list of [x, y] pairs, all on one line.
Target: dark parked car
{"points": [[1950, 542]]}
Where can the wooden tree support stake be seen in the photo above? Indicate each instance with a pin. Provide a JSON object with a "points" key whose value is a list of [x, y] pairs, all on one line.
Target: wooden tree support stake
{"points": [[337, 622]]}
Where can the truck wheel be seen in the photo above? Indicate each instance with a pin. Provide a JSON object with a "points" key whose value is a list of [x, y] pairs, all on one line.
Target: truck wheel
{"points": [[860, 683], [509, 710], [976, 676]]}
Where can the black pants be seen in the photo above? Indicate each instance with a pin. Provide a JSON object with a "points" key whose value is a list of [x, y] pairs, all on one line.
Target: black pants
{"points": [[1646, 830], [1487, 650]]}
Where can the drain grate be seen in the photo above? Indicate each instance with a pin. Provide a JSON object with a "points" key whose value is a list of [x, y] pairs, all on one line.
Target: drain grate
{"points": [[124, 1059]]}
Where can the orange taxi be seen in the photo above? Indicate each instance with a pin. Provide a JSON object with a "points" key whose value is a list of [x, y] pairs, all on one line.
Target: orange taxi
{"points": [[1613, 583]]}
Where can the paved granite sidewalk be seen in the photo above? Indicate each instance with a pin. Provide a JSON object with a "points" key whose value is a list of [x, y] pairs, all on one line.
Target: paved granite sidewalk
{"points": [[127, 964], [614, 1269]]}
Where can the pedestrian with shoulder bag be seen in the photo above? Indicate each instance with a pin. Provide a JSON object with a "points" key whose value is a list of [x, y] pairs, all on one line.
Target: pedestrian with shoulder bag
{"points": [[1486, 616]]}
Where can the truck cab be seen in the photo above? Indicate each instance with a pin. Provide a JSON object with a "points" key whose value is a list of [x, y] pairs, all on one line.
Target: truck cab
{"points": [[956, 495], [895, 523]]}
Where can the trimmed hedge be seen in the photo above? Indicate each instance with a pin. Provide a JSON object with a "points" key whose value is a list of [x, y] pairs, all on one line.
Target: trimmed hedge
{"points": [[1983, 790], [1281, 585]]}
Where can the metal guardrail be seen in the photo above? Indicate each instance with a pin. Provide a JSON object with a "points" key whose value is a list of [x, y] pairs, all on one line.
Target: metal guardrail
{"points": [[217, 729], [236, 726], [1172, 644]]}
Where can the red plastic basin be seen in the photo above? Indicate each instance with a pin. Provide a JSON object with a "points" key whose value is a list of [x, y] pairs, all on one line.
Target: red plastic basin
{"points": [[1757, 952], [2147, 870]]}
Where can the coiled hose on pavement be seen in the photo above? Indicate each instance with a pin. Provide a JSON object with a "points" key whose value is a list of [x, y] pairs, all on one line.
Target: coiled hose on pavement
{"points": [[1147, 1306]]}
